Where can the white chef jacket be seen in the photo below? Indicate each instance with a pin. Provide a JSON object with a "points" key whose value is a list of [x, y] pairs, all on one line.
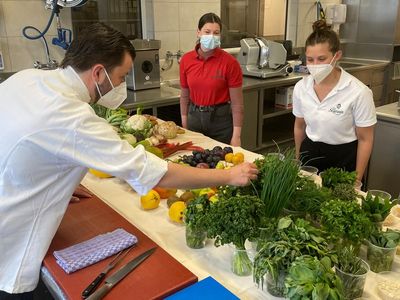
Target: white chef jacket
{"points": [[50, 136], [333, 120]]}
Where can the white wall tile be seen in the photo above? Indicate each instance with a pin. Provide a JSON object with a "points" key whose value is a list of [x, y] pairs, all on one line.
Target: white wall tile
{"points": [[18, 14], [187, 40], [169, 41], [190, 13], [6, 54], [2, 24], [166, 16]]}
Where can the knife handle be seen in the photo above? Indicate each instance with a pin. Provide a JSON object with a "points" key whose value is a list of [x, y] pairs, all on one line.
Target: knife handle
{"points": [[91, 287], [101, 292]]}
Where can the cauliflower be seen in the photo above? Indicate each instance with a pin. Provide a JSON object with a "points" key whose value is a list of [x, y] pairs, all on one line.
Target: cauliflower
{"points": [[167, 129], [138, 125]]}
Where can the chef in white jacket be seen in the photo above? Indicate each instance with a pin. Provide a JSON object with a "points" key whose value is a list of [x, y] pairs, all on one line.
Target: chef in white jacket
{"points": [[50, 136]]}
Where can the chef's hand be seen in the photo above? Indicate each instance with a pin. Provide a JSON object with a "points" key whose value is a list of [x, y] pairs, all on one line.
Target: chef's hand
{"points": [[80, 192], [241, 174]]}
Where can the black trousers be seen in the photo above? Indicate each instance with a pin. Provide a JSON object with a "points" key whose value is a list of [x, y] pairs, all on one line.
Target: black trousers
{"points": [[213, 121], [324, 156], [22, 296]]}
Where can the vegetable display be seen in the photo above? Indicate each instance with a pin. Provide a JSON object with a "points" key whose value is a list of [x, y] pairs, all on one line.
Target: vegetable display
{"points": [[377, 208], [233, 220], [331, 177], [310, 278], [352, 270], [382, 249], [345, 192], [345, 221], [287, 241], [195, 218]]}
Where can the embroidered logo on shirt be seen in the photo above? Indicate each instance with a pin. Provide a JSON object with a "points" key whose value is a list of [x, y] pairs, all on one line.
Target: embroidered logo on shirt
{"points": [[336, 110]]}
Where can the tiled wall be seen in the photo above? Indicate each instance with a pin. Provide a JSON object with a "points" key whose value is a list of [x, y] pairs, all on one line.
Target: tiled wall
{"points": [[302, 14], [20, 53], [175, 22]]}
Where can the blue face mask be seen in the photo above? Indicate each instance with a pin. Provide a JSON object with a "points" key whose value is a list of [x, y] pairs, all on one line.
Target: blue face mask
{"points": [[210, 42]]}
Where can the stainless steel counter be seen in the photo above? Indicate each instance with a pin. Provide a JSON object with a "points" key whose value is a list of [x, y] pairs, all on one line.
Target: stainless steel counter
{"points": [[389, 112]]}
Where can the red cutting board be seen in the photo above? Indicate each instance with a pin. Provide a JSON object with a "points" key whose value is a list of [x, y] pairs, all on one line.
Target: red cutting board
{"points": [[157, 277]]}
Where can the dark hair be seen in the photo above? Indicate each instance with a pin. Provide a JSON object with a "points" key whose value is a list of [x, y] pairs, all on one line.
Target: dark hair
{"points": [[97, 44], [322, 33], [209, 18]]}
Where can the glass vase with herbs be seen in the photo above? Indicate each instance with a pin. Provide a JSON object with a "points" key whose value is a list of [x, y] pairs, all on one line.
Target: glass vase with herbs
{"points": [[381, 249], [195, 217], [233, 220], [352, 270], [289, 240]]}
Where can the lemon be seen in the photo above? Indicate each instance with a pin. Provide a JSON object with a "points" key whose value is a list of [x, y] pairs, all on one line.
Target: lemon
{"points": [[238, 158], [99, 173], [176, 211], [150, 201]]}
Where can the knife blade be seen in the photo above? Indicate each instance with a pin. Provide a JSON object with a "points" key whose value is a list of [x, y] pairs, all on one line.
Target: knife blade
{"points": [[95, 283], [111, 281]]}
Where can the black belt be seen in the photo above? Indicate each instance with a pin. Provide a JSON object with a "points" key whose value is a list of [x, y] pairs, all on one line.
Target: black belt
{"points": [[208, 108]]}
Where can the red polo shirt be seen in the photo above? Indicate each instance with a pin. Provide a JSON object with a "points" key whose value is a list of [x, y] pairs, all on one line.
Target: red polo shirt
{"points": [[209, 80]]}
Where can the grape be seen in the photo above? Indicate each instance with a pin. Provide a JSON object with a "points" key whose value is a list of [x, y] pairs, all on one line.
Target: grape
{"points": [[228, 149], [217, 148]]}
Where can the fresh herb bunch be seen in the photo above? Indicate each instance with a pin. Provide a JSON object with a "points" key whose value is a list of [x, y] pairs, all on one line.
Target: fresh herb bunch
{"points": [[348, 263], [309, 198], [346, 220], [288, 240], [377, 208], [385, 239], [279, 178], [331, 177], [195, 217], [233, 220], [345, 192], [382, 259], [310, 278], [196, 212]]}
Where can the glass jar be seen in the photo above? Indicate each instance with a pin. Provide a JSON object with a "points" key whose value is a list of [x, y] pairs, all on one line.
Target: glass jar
{"points": [[195, 238], [242, 261], [276, 287]]}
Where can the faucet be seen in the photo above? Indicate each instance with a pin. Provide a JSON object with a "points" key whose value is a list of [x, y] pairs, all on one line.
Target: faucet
{"points": [[50, 65], [169, 59]]}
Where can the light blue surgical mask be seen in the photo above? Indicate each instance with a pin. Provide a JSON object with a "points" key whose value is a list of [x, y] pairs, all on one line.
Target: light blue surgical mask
{"points": [[210, 42]]}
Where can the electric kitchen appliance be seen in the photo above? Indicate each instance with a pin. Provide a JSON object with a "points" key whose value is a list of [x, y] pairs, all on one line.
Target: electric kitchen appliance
{"points": [[145, 73], [262, 58]]}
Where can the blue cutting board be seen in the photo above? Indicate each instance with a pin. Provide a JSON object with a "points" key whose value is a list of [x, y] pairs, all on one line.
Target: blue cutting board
{"points": [[208, 288]]}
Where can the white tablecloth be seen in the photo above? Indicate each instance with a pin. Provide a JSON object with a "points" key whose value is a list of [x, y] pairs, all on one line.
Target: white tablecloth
{"points": [[209, 261]]}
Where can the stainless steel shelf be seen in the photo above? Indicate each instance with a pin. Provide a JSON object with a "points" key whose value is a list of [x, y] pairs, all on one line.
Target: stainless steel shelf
{"points": [[275, 111]]}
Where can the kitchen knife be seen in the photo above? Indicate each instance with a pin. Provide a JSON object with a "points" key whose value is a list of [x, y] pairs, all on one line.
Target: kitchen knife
{"points": [[119, 275], [95, 283]]}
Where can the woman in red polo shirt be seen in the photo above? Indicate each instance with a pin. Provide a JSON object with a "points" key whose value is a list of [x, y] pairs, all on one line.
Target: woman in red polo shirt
{"points": [[211, 82]]}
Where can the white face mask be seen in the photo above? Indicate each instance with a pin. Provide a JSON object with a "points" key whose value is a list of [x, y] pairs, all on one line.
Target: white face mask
{"points": [[113, 98], [210, 42], [321, 71]]}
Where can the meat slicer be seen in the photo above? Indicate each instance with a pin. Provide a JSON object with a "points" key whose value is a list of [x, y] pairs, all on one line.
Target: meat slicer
{"points": [[262, 58]]}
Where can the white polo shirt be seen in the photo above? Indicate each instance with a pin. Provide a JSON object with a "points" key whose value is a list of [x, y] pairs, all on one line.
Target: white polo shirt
{"points": [[50, 136], [333, 120]]}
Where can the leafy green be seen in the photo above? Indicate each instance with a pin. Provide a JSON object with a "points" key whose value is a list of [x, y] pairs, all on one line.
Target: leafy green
{"points": [[308, 198], [331, 177], [287, 241], [196, 212], [345, 220], [233, 220], [382, 249], [278, 178], [377, 208], [349, 268], [345, 192], [311, 278]]}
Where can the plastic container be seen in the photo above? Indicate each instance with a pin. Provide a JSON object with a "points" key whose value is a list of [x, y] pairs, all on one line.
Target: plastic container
{"points": [[309, 169], [353, 284], [242, 261], [380, 259], [380, 194], [276, 287], [195, 239]]}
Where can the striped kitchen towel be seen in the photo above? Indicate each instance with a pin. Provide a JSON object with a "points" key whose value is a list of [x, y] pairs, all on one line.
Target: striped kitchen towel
{"points": [[96, 249]]}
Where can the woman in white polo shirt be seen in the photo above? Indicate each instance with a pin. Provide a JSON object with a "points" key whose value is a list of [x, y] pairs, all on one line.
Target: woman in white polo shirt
{"points": [[335, 112]]}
